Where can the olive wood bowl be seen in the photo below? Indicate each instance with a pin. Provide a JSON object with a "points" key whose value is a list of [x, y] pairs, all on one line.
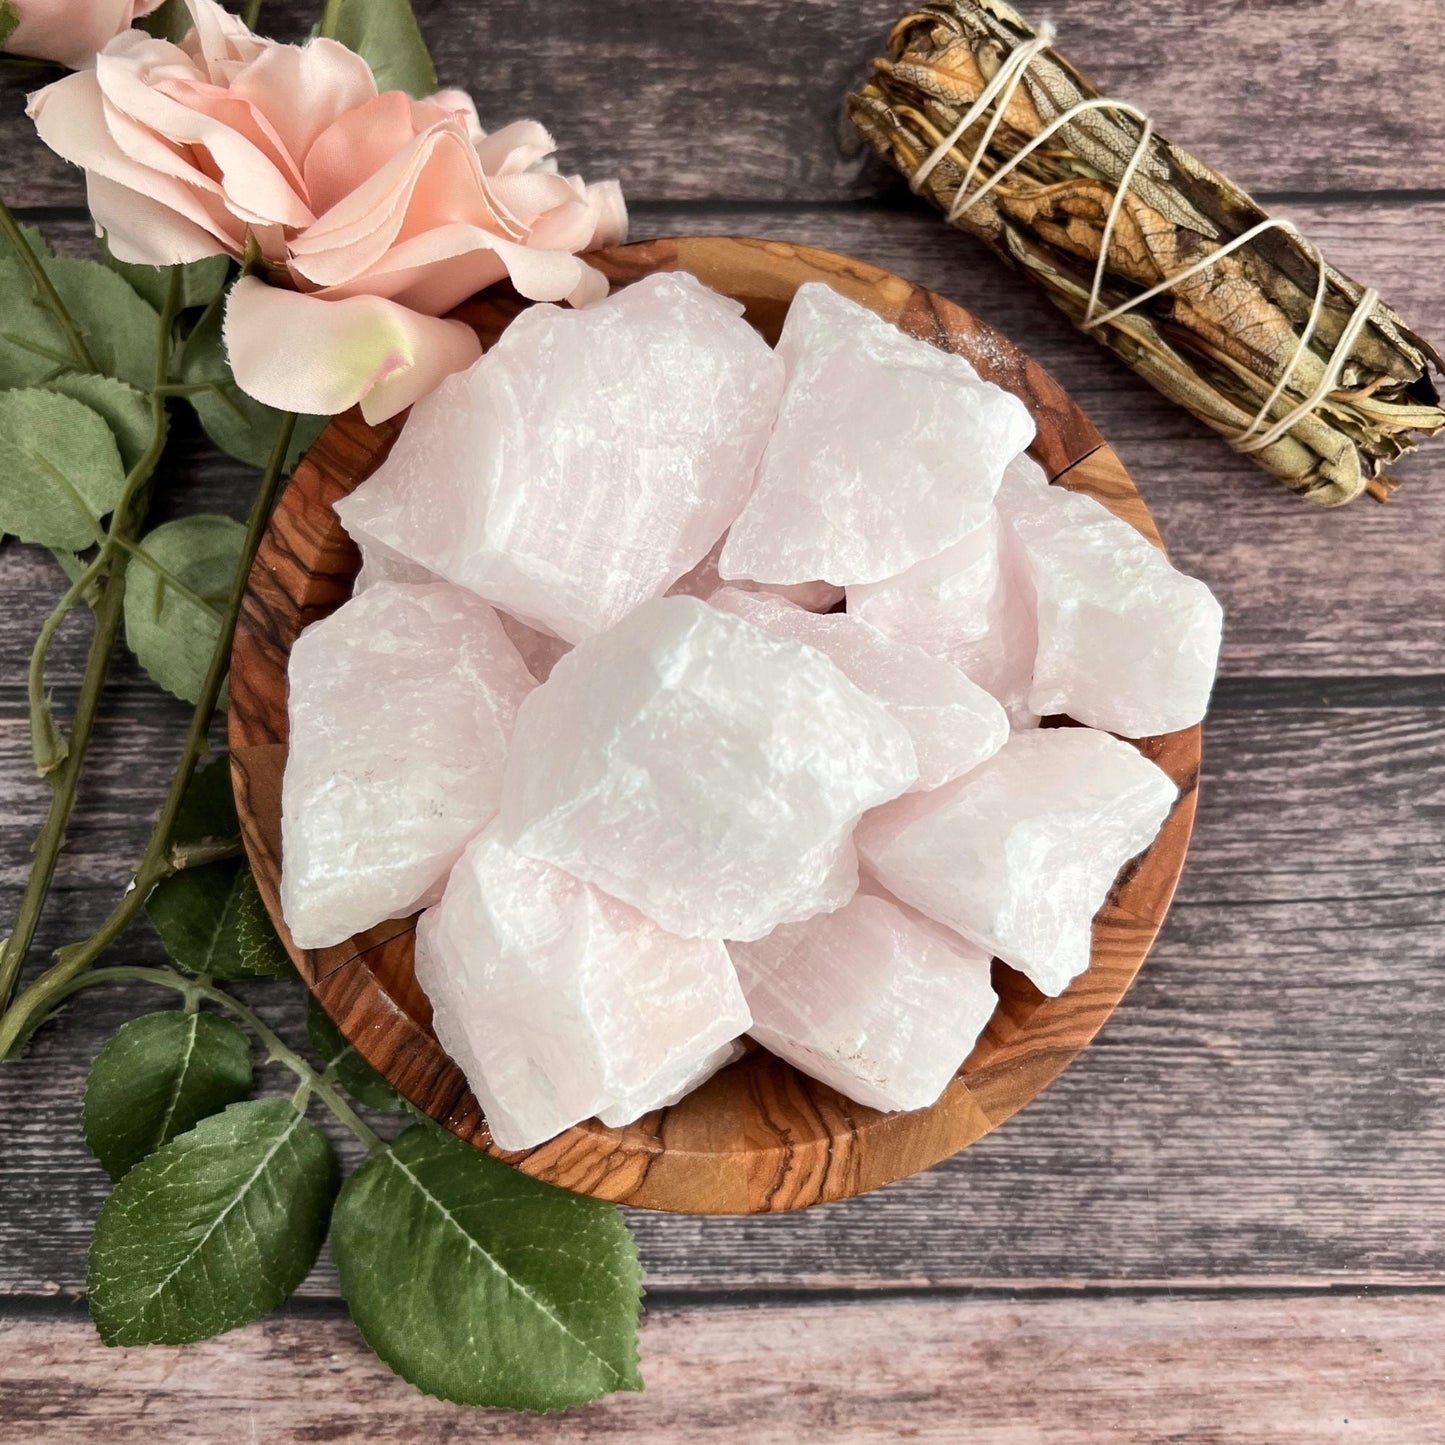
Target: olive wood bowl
{"points": [[760, 1136]]}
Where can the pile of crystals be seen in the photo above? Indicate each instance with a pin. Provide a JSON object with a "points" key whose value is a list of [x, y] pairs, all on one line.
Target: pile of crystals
{"points": [[691, 688]]}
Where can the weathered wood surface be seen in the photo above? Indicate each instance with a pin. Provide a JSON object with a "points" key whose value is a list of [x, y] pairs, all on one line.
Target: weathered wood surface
{"points": [[1226, 1371], [1267, 1109], [1306, 591], [744, 99], [1267, 1102]]}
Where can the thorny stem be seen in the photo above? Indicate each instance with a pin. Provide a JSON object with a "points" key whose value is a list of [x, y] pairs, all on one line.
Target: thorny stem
{"points": [[157, 861], [45, 288], [109, 567], [312, 1081]]}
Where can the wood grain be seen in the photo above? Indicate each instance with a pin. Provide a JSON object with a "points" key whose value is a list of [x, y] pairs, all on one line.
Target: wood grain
{"points": [[1252, 1371], [744, 100], [760, 1136], [1269, 1099]]}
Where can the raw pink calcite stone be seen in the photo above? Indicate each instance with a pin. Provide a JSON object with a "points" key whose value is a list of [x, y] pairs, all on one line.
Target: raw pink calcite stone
{"points": [[587, 461], [972, 604], [886, 451], [702, 770], [1019, 854], [1126, 641], [381, 564], [559, 1002], [539, 650], [667, 1088], [953, 722], [874, 1000], [703, 581], [401, 711]]}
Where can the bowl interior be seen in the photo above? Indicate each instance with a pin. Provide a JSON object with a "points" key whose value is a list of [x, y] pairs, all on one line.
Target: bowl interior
{"points": [[759, 1136]]}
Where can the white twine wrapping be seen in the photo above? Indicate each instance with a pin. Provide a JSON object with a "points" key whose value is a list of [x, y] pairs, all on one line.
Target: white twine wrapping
{"points": [[1000, 90]]}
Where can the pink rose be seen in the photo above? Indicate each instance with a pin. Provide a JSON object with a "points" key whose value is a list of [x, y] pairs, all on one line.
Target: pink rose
{"points": [[71, 31], [381, 212]]}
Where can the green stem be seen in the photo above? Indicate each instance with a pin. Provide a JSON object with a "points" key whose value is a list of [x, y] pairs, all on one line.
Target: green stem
{"points": [[251, 13], [109, 566], [45, 288], [330, 18], [277, 1050], [169, 578], [156, 863]]}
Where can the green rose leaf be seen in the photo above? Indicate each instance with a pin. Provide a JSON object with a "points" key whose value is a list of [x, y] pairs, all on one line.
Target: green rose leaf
{"points": [[385, 34], [201, 281], [9, 19], [239, 424], [352, 1072], [160, 1075], [119, 327], [213, 1230], [480, 1285], [208, 807], [176, 591], [127, 411], [60, 470], [212, 921]]}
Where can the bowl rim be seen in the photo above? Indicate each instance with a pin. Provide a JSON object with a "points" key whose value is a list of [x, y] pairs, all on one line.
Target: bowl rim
{"points": [[760, 1137]]}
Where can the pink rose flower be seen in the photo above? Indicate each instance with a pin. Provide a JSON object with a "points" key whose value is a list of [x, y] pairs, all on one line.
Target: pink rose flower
{"points": [[379, 213], [71, 31]]}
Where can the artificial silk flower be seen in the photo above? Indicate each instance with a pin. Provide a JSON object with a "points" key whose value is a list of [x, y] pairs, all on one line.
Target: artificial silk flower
{"points": [[68, 32], [372, 214]]}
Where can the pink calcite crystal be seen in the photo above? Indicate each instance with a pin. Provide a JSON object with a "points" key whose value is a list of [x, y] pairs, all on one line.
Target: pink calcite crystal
{"points": [[953, 722], [972, 604], [1126, 641], [873, 1000], [401, 710], [587, 461], [539, 650], [702, 770], [886, 451], [559, 1002], [1018, 855]]}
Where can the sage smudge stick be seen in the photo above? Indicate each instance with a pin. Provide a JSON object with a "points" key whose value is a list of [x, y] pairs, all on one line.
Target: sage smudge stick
{"points": [[1230, 313]]}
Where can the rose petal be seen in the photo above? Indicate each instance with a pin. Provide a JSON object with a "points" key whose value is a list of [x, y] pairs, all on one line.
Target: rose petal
{"points": [[302, 353], [70, 32]]}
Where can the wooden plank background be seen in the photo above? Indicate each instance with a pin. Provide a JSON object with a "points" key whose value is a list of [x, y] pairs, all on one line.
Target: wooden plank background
{"points": [[1225, 1223]]}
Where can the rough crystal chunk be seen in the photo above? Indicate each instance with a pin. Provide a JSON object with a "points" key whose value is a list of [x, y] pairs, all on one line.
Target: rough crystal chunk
{"points": [[972, 604], [703, 581], [702, 770], [1019, 854], [668, 1087], [886, 451], [587, 461], [953, 722], [401, 710], [1126, 641], [380, 564], [875, 1001], [558, 1002]]}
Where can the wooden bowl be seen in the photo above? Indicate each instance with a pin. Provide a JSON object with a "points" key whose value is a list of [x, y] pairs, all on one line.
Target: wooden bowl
{"points": [[759, 1136]]}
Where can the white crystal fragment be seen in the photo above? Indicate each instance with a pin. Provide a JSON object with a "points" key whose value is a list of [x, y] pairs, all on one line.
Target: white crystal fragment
{"points": [[886, 451], [874, 1000], [972, 604], [559, 1002], [669, 1087], [1126, 641], [702, 770], [587, 461], [1019, 854], [703, 580], [401, 711], [953, 722]]}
